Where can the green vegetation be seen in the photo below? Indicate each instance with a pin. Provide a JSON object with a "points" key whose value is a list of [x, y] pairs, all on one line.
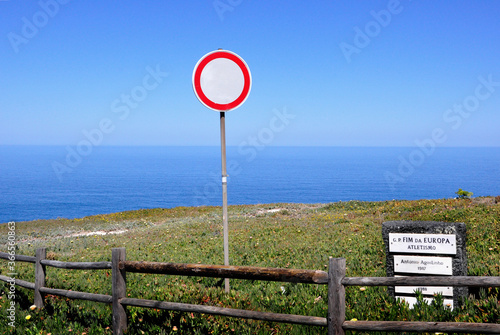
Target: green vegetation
{"points": [[278, 235]]}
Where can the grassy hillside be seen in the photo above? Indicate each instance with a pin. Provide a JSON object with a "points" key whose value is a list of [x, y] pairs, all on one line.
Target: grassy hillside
{"points": [[277, 235]]}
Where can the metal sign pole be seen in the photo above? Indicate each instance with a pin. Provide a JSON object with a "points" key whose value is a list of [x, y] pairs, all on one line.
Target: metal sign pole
{"points": [[222, 82], [224, 193]]}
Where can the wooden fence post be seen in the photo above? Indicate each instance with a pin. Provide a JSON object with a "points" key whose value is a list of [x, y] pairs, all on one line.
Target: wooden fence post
{"points": [[40, 254], [119, 291], [336, 296]]}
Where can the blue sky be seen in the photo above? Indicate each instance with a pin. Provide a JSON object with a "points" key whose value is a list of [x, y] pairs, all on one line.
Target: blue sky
{"points": [[328, 73]]}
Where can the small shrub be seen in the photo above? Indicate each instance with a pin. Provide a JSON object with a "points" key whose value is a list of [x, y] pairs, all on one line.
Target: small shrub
{"points": [[461, 194]]}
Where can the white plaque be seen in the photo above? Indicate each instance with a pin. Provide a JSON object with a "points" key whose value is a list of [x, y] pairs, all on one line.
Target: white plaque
{"points": [[423, 265], [446, 291], [412, 301], [426, 290], [423, 243]]}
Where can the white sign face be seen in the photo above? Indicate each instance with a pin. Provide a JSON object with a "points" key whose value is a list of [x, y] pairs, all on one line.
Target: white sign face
{"points": [[423, 265], [412, 301], [423, 243], [222, 81]]}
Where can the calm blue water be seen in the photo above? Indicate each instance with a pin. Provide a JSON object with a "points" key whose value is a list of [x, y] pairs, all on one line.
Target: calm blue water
{"points": [[38, 182]]}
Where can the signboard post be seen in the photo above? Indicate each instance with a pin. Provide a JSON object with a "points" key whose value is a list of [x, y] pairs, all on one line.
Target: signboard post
{"points": [[425, 248], [222, 82]]}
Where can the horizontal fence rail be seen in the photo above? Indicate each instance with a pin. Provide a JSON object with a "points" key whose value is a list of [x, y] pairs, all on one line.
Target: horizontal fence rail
{"points": [[238, 313], [335, 279], [20, 258], [22, 283], [227, 271], [77, 265], [426, 281], [416, 326], [104, 298]]}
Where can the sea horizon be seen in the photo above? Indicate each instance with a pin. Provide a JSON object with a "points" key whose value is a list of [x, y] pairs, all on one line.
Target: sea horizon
{"points": [[50, 181]]}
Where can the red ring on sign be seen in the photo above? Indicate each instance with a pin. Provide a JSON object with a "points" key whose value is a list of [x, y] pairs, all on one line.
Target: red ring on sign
{"points": [[246, 80]]}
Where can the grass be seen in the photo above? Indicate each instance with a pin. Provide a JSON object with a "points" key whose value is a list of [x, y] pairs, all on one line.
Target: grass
{"points": [[276, 235]]}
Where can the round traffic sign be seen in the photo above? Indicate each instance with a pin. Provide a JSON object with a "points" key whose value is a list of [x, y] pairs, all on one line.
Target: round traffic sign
{"points": [[221, 80]]}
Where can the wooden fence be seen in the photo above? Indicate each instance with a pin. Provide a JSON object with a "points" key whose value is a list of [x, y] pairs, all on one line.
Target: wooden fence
{"points": [[335, 279]]}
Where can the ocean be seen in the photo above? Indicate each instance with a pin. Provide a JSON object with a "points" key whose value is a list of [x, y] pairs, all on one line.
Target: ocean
{"points": [[47, 182]]}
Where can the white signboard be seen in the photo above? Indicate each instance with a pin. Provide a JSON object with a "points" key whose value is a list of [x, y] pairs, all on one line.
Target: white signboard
{"points": [[423, 243], [412, 301], [423, 265]]}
